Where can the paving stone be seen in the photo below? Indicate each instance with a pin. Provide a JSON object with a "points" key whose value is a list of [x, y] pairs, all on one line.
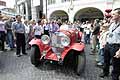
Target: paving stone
{"points": [[20, 68]]}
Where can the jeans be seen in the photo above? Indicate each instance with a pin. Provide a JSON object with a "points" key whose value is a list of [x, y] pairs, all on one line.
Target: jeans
{"points": [[10, 39], [101, 55], [87, 38]]}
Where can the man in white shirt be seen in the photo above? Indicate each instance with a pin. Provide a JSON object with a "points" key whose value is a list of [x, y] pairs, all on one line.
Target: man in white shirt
{"points": [[112, 48]]}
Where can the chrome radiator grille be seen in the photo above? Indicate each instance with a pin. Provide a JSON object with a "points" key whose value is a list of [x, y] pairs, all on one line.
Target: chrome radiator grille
{"points": [[57, 47], [56, 40]]}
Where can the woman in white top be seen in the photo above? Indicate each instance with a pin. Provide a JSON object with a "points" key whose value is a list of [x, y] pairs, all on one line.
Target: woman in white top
{"points": [[38, 30]]}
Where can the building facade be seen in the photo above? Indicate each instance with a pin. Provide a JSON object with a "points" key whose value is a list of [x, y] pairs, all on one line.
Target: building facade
{"points": [[10, 12], [37, 9], [77, 9], [2, 3], [30, 9], [23, 8], [70, 10], [5, 11]]}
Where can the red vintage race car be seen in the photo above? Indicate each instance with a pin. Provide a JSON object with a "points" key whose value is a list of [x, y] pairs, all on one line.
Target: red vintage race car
{"points": [[64, 47]]}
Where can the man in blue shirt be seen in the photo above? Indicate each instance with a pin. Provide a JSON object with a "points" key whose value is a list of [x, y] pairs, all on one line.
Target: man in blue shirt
{"points": [[19, 35]]}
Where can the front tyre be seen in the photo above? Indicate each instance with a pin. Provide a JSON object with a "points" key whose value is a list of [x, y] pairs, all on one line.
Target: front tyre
{"points": [[80, 63], [35, 55]]}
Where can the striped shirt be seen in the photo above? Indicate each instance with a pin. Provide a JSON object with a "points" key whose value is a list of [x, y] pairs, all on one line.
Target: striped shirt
{"points": [[114, 34]]}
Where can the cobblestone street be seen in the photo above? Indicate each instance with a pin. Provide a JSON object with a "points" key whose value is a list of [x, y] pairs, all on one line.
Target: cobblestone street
{"points": [[20, 68]]}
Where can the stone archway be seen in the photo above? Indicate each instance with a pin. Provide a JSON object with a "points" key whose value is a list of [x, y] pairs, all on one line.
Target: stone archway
{"points": [[88, 13], [59, 14]]}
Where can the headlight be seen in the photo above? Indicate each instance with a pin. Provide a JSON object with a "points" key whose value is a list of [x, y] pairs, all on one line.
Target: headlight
{"points": [[65, 40], [45, 39]]}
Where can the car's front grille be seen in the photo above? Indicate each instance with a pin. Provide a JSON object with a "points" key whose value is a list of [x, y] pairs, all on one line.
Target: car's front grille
{"points": [[56, 41], [56, 45]]}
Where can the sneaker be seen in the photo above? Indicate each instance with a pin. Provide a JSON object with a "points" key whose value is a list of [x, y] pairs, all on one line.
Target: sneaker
{"points": [[97, 60], [18, 55], [99, 64], [24, 53]]}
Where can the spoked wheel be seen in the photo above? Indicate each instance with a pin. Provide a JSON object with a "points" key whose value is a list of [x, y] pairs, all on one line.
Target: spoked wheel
{"points": [[35, 55]]}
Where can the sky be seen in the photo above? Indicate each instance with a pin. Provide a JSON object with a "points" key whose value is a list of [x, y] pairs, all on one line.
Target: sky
{"points": [[9, 3]]}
